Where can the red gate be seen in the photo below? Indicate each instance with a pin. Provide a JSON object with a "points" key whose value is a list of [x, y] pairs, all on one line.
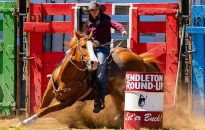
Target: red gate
{"points": [[43, 63], [166, 52]]}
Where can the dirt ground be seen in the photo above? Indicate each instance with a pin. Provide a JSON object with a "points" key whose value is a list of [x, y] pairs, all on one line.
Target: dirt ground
{"points": [[59, 121], [46, 123], [171, 120]]}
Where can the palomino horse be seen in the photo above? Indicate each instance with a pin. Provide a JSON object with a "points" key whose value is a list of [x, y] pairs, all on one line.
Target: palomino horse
{"points": [[71, 81]]}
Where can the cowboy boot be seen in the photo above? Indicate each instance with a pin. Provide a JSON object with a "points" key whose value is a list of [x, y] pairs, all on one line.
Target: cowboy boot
{"points": [[98, 105]]}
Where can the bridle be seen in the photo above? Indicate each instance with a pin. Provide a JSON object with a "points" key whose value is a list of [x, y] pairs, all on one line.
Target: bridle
{"points": [[84, 60]]}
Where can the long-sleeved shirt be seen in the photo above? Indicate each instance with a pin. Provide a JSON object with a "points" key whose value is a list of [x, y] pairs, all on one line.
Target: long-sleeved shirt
{"points": [[101, 27]]}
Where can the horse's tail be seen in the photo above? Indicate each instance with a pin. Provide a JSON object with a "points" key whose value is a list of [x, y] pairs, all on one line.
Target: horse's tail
{"points": [[148, 58], [150, 61]]}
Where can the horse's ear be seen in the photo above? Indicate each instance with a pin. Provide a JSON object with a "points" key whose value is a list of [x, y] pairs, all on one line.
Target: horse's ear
{"points": [[78, 35], [90, 35]]}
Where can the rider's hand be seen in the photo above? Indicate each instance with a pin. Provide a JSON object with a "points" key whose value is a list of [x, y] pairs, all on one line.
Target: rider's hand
{"points": [[124, 34]]}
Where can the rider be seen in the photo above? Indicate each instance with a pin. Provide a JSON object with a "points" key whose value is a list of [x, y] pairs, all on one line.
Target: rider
{"points": [[101, 24]]}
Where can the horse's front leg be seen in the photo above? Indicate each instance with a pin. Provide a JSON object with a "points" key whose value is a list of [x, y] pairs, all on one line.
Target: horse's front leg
{"points": [[51, 108], [55, 107], [47, 98]]}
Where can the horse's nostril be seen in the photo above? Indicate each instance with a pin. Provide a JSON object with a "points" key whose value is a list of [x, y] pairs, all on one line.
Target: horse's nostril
{"points": [[91, 62]]}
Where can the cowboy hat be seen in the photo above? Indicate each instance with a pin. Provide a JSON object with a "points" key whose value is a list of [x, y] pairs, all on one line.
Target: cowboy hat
{"points": [[94, 5]]}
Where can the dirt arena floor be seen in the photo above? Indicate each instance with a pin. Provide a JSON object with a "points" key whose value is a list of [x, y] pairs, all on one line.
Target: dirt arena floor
{"points": [[171, 120], [48, 123], [59, 121]]}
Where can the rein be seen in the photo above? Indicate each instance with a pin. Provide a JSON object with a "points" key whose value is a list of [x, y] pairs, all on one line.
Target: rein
{"points": [[58, 91], [81, 69], [121, 41]]}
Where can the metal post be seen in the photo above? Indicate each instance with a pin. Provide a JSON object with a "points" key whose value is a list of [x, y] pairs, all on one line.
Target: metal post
{"points": [[18, 78], [183, 63], [28, 66], [190, 63], [22, 53], [185, 7]]}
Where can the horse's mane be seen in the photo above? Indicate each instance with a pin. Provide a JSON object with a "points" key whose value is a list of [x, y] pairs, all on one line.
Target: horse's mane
{"points": [[78, 35], [72, 43]]}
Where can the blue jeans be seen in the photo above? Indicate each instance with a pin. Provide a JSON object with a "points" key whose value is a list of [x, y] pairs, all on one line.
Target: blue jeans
{"points": [[102, 53]]}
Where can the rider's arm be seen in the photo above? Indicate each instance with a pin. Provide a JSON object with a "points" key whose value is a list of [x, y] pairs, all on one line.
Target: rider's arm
{"points": [[118, 26]]}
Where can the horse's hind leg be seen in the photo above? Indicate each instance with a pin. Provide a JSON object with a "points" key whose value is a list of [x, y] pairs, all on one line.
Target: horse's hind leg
{"points": [[48, 96]]}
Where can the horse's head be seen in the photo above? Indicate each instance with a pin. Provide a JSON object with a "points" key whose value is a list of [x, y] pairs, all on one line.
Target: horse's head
{"points": [[82, 49]]}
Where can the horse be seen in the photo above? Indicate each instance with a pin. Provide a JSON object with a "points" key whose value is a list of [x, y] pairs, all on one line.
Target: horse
{"points": [[71, 81]]}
